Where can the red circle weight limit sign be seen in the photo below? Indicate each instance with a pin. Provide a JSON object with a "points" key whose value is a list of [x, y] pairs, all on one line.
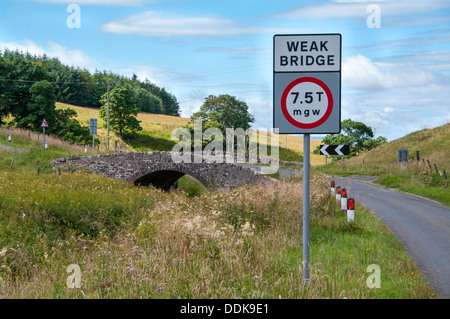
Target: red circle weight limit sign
{"points": [[307, 102]]}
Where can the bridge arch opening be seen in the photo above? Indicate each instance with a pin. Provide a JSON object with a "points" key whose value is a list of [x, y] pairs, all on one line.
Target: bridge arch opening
{"points": [[168, 180]]}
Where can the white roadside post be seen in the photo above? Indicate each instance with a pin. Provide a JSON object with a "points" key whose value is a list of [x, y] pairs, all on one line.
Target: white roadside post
{"points": [[338, 194], [344, 199], [333, 188], [351, 211], [44, 125]]}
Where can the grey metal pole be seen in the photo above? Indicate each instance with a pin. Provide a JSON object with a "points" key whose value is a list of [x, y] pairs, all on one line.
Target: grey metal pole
{"points": [[342, 161], [93, 141], [306, 192], [326, 156], [43, 134], [107, 116]]}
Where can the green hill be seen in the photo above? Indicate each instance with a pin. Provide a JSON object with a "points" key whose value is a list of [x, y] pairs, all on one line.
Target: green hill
{"points": [[432, 144], [428, 176]]}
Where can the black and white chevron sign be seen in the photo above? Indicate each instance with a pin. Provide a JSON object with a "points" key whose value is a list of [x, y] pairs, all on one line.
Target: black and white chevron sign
{"points": [[334, 150]]}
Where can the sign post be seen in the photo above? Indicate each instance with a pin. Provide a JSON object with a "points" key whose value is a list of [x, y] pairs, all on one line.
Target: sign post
{"points": [[306, 99], [44, 125], [403, 156]]}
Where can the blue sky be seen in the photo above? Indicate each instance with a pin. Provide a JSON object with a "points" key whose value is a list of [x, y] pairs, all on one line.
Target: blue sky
{"points": [[395, 77]]}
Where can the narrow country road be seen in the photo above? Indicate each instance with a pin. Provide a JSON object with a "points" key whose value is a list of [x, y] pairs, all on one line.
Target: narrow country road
{"points": [[423, 227], [11, 148]]}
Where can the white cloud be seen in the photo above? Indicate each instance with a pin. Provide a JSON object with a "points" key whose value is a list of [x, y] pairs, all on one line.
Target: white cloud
{"points": [[130, 3], [71, 57], [164, 24], [243, 50], [162, 77], [360, 72], [357, 9]]}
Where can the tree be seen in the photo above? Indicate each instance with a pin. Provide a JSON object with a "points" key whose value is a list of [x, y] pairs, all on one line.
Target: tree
{"points": [[356, 134], [148, 102], [123, 111], [70, 129], [41, 105], [226, 110]]}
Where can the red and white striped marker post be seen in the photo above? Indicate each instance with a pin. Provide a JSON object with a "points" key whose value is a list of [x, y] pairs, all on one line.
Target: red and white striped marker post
{"points": [[344, 199], [333, 188], [351, 211], [338, 193]]}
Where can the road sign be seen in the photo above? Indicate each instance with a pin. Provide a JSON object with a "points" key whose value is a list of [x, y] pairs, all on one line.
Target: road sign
{"points": [[93, 127], [44, 123], [403, 155], [307, 52], [334, 150], [307, 84], [307, 99]]}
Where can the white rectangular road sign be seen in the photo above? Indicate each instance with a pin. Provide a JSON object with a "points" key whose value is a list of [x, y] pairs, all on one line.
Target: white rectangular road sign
{"points": [[307, 53], [307, 84]]}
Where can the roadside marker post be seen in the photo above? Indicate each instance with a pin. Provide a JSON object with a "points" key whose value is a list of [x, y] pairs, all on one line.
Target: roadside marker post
{"points": [[44, 125], [307, 99], [351, 211], [338, 194], [344, 199], [333, 188]]}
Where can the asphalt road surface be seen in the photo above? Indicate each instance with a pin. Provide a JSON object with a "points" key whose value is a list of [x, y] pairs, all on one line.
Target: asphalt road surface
{"points": [[11, 148], [423, 227]]}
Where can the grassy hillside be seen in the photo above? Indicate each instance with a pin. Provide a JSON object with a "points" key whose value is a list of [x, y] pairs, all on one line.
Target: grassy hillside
{"points": [[157, 131], [433, 146]]}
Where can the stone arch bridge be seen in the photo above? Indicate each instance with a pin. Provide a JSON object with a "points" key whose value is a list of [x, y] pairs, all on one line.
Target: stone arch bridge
{"points": [[159, 169]]}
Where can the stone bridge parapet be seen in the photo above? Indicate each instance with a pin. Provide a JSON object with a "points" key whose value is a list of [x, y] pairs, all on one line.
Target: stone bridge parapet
{"points": [[159, 169]]}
